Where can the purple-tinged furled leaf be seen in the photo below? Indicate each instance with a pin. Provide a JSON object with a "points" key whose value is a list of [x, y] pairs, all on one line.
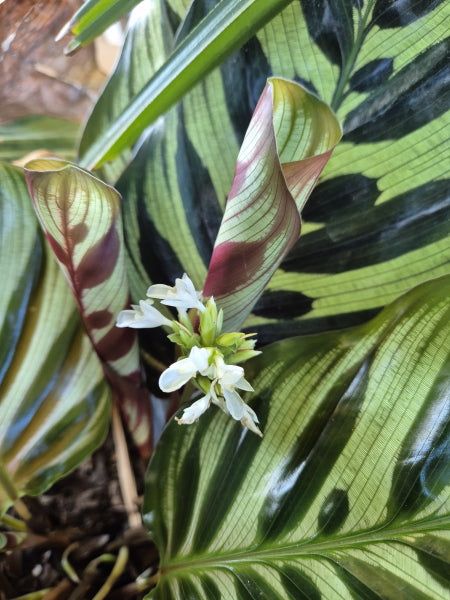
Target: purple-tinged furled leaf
{"points": [[82, 221], [289, 140]]}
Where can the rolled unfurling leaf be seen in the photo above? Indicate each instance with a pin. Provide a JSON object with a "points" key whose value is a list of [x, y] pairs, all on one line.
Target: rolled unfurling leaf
{"points": [[81, 219], [289, 140]]}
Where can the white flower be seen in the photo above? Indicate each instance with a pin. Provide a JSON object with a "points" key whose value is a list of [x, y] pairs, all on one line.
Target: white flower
{"points": [[180, 372], [144, 315], [183, 295], [230, 377], [193, 412]]}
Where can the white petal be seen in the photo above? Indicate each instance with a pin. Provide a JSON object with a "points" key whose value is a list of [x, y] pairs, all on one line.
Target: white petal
{"points": [[144, 315], [200, 358], [193, 412], [177, 375], [235, 404], [243, 384], [187, 294], [184, 303], [182, 296], [186, 283], [230, 375], [250, 419], [127, 318], [152, 314], [159, 290]]}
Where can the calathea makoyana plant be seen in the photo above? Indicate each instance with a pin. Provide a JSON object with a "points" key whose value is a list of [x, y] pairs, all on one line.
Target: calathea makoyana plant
{"points": [[183, 211]]}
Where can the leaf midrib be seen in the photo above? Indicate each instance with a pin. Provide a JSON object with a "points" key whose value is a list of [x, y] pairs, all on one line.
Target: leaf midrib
{"points": [[309, 548]]}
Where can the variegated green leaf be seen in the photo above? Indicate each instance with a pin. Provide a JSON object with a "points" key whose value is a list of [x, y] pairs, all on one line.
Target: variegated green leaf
{"points": [[375, 225], [226, 27], [82, 221], [289, 140], [347, 494], [54, 401], [147, 44]]}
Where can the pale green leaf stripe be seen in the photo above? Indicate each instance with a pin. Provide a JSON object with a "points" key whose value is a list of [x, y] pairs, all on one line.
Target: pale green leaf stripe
{"points": [[53, 399], [155, 171], [226, 27], [352, 425], [356, 290]]}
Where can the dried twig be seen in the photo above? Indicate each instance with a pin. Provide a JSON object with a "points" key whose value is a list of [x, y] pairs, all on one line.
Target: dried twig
{"points": [[127, 480]]}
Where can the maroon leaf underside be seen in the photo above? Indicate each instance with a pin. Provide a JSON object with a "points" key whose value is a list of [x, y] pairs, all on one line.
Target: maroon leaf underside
{"points": [[282, 191]]}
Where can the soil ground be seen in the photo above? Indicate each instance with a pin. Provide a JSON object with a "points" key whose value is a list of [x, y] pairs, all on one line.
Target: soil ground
{"points": [[82, 517]]}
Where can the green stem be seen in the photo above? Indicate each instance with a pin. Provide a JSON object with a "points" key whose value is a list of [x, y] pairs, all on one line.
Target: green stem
{"points": [[145, 583], [65, 564], [8, 485], [117, 570]]}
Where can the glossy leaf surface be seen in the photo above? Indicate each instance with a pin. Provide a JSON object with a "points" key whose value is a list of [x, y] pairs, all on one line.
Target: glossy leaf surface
{"points": [[289, 140], [54, 401], [82, 221], [346, 495], [376, 223]]}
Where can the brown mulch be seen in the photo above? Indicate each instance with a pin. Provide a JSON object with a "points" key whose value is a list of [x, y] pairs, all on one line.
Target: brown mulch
{"points": [[84, 515]]}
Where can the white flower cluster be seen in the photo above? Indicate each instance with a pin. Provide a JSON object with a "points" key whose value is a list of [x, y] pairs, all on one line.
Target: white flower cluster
{"points": [[208, 357]]}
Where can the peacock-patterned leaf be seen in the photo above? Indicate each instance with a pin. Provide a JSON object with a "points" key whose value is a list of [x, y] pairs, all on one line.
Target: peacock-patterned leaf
{"points": [[54, 401], [374, 226], [347, 494], [81, 218], [289, 140]]}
